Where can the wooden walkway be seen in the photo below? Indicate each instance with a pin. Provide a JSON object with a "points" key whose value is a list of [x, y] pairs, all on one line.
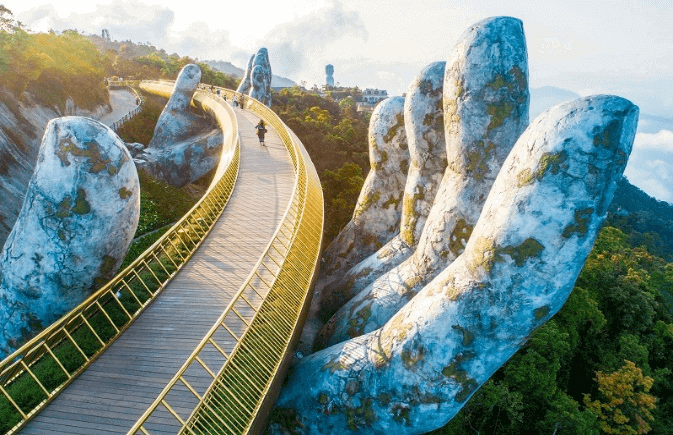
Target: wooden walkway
{"points": [[118, 387]]}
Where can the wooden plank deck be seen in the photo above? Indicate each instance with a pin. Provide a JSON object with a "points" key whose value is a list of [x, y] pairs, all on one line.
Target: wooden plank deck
{"points": [[117, 388]]}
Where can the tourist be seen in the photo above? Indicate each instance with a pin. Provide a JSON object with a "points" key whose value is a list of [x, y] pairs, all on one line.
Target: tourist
{"points": [[261, 129]]}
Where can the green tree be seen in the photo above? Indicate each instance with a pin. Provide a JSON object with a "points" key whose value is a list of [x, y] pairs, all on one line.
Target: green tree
{"points": [[624, 407]]}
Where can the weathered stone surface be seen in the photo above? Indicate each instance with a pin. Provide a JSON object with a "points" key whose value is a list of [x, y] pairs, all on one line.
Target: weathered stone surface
{"points": [[22, 124], [176, 123], [77, 221], [424, 125], [260, 77], [486, 102], [377, 213], [536, 229], [244, 86], [184, 146]]}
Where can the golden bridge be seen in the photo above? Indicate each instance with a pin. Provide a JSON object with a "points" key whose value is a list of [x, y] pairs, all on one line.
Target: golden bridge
{"points": [[196, 334]]}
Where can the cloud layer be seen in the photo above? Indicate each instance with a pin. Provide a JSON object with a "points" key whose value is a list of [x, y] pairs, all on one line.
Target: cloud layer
{"points": [[650, 166], [295, 47]]}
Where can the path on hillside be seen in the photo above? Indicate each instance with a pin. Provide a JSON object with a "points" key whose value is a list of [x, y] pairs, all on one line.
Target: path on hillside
{"points": [[122, 102], [121, 384]]}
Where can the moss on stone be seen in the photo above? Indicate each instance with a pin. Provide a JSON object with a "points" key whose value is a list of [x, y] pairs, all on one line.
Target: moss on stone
{"points": [[459, 88], [530, 248], [580, 225], [61, 235], [462, 231], [392, 201], [412, 282], [352, 387], [541, 312], [125, 193], [392, 131], [404, 166], [91, 150], [482, 256], [524, 178], [429, 119], [401, 413], [362, 416], [551, 162], [64, 208], [370, 199], [336, 364], [499, 112], [609, 136], [456, 372], [81, 206], [356, 324], [323, 399], [384, 399], [498, 83], [477, 159], [411, 357], [468, 337]]}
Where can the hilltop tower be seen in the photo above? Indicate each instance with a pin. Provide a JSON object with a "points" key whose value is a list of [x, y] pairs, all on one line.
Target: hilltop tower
{"points": [[329, 70]]}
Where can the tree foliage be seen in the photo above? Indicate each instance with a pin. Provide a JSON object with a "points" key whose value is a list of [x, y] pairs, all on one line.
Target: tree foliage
{"points": [[626, 407], [52, 67], [335, 136]]}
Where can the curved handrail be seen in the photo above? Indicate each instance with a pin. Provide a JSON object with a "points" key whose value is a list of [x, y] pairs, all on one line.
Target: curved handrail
{"points": [[71, 343], [136, 110], [268, 310]]}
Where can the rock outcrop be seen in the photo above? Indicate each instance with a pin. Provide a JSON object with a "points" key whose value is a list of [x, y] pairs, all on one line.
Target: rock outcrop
{"points": [[424, 126], [185, 146], [77, 221], [377, 213], [535, 232], [260, 77], [486, 103]]}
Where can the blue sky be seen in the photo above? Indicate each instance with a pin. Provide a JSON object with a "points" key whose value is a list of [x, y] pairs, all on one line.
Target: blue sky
{"points": [[587, 47]]}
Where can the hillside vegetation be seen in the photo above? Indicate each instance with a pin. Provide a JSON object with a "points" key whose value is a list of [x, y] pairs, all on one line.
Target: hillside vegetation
{"points": [[52, 68], [130, 60], [335, 136]]}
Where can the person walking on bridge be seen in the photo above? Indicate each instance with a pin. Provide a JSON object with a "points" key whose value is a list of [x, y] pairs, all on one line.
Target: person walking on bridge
{"points": [[261, 130]]}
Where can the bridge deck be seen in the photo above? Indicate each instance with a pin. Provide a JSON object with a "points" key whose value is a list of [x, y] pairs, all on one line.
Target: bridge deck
{"points": [[117, 388]]}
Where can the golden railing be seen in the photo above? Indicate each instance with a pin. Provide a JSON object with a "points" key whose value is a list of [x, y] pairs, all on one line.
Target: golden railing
{"points": [[52, 359], [231, 379]]}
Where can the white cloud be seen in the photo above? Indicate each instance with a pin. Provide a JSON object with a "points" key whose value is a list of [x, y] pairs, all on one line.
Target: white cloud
{"points": [[650, 165], [661, 141], [297, 44]]}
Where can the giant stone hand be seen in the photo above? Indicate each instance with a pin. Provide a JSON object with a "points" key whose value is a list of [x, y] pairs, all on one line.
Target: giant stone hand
{"points": [[78, 219], [417, 358]]}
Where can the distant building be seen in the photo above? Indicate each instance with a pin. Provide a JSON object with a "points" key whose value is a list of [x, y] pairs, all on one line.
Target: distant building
{"points": [[373, 97], [370, 98]]}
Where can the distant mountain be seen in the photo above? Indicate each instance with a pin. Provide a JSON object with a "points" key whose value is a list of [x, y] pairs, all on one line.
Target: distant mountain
{"points": [[228, 68], [547, 96], [647, 221], [225, 67]]}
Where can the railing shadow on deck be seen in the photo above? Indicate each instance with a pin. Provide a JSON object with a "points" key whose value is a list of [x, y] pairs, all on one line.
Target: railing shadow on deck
{"points": [[51, 360]]}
